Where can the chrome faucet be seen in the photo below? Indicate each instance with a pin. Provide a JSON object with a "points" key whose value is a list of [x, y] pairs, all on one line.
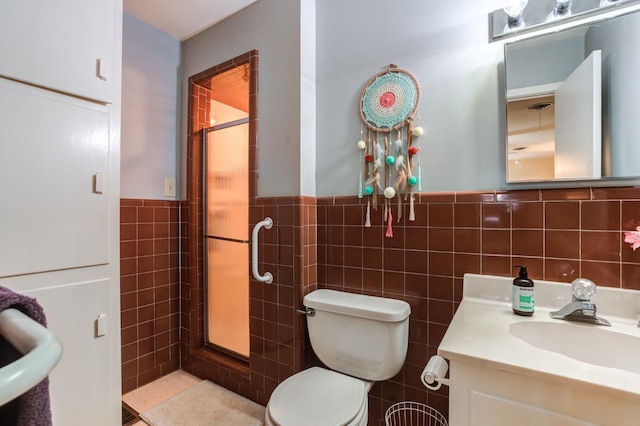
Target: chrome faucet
{"points": [[581, 309]]}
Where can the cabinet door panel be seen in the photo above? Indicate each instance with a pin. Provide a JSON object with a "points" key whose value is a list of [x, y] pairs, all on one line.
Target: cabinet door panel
{"points": [[52, 148], [78, 389], [58, 44], [493, 410]]}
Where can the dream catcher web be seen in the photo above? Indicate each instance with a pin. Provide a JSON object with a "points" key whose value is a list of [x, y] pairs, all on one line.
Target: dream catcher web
{"points": [[387, 105]]}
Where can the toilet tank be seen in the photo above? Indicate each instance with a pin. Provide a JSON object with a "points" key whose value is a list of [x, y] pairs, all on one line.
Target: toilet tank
{"points": [[359, 335]]}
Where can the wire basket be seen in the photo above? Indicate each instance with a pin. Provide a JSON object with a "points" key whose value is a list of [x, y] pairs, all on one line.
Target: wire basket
{"points": [[409, 413]]}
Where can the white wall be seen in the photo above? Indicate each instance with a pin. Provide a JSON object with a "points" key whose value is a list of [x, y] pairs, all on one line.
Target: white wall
{"points": [[445, 46], [150, 123], [308, 97], [273, 28]]}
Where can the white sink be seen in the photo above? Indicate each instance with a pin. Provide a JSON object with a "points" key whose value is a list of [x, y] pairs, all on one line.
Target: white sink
{"points": [[588, 343], [485, 331], [506, 369]]}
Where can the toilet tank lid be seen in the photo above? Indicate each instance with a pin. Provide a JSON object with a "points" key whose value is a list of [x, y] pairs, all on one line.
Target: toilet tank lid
{"points": [[358, 305]]}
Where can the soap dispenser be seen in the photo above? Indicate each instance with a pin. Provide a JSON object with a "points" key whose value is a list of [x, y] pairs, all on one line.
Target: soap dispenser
{"points": [[522, 297]]}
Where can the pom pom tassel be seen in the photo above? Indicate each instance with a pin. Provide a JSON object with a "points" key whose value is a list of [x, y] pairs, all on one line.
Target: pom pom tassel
{"points": [[367, 219], [412, 214], [389, 233], [360, 186]]}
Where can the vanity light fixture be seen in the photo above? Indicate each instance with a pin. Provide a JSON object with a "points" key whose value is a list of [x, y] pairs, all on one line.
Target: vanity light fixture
{"points": [[514, 9], [543, 16]]}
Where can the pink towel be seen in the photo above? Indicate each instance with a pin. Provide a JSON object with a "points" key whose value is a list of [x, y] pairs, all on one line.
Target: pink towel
{"points": [[33, 408]]}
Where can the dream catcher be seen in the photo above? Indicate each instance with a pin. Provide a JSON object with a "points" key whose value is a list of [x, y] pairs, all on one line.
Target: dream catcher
{"points": [[387, 105]]}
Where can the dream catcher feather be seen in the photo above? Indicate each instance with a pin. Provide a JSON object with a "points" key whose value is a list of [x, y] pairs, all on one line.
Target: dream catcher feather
{"points": [[387, 106]]}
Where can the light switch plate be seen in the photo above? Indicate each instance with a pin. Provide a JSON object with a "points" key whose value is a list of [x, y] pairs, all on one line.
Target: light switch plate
{"points": [[169, 187]]}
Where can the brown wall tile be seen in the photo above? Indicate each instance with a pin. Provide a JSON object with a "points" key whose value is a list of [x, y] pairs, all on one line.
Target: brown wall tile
{"points": [[597, 245], [558, 234], [600, 215], [525, 195], [526, 214], [527, 242], [496, 265], [147, 279], [441, 239], [616, 193], [562, 215], [631, 276], [466, 264], [562, 244], [630, 215], [467, 240], [467, 215], [441, 215], [496, 241], [496, 215], [602, 273], [566, 194]]}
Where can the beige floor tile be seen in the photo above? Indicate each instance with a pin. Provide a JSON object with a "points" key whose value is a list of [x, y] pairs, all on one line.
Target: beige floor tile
{"points": [[160, 390]]}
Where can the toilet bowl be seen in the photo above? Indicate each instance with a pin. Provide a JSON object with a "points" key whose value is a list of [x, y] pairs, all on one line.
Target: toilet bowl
{"points": [[319, 397], [360, 339]]}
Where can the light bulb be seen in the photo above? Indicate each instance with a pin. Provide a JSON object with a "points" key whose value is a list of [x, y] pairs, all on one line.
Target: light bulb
{"points": [[514, 9], [563, 7]]}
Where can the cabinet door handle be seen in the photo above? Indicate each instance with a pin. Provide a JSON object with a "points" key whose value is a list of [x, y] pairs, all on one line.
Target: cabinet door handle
{"points": [[104, 69], [267, 277]]}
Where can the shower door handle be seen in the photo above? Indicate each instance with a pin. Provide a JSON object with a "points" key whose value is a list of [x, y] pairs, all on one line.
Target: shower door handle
{"points": [[267, 277]]}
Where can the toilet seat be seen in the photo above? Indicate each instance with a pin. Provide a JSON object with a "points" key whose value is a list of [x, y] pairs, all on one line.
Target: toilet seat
{"points": [[319, 397]]}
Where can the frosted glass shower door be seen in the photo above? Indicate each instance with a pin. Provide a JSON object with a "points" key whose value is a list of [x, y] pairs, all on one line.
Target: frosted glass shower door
{"points": [[227, 237]]}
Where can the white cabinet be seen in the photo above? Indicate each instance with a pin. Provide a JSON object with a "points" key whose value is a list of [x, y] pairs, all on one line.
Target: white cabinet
{"points": [[60, 83], [482, 396], [65, 45], [54, 156]]}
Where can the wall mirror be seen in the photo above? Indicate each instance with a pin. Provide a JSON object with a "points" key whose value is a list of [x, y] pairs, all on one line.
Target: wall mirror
{"points": [[573, 103]]}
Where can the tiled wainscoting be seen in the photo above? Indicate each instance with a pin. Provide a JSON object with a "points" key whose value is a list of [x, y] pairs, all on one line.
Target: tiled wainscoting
{"points": [[559, 234], [149, 288]]}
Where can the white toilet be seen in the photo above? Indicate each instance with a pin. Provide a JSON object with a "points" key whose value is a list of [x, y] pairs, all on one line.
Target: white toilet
{"points": [[363, 339]]}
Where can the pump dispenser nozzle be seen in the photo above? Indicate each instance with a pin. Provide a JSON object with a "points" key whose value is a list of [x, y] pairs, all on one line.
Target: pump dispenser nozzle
{"points": [[523, 271]]}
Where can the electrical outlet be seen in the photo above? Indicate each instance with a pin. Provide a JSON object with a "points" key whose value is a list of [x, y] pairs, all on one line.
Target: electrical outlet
{"points": [[169, 187]]}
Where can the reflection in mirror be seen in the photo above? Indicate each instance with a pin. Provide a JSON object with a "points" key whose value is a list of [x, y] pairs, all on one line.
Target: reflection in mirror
{"points": [[572, 110], [531, 140]]}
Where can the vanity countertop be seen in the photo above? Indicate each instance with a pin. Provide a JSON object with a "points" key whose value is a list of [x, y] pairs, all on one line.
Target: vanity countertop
{"points": [[486, 332]]}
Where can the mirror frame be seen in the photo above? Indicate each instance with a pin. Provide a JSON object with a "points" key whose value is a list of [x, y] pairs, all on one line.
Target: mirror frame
{"points": [[538, 31]]}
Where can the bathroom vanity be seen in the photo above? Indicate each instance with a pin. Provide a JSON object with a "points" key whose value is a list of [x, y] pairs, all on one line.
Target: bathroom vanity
{"points": [[507, 369]]}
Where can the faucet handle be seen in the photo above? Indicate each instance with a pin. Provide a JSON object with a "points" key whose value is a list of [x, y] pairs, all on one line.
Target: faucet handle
{"points": [[583, 289]]}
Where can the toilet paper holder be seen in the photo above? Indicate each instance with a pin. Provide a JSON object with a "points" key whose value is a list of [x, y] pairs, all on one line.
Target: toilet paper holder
{"points": [[434, 374]]}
